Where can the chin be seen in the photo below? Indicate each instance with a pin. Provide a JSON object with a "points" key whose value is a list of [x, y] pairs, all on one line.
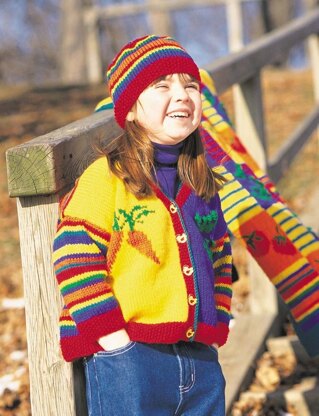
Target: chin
{"points": [[177, 140]]}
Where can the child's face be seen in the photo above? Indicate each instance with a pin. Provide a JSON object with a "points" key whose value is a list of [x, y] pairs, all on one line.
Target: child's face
{"points": [[170, 109]]}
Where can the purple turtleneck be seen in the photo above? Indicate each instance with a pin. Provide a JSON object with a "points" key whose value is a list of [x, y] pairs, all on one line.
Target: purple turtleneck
{"points": [[165, 159]]}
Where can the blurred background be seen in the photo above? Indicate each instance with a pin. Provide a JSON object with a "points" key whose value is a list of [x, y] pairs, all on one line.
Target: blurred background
{"points": [[45, 41]]}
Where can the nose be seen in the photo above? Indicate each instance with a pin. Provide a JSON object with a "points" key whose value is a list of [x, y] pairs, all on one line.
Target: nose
{"points": [[180, 93]]}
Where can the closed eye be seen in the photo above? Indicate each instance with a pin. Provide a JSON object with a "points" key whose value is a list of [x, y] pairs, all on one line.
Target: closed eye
{"points": [[161, 85], [193, 85]]}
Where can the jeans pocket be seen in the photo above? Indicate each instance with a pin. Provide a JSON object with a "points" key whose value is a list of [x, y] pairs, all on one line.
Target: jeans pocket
{"points": [[116, 351]]}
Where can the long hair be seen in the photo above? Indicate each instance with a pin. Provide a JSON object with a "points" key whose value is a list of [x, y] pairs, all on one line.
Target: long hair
{"points": [[131, 158]]}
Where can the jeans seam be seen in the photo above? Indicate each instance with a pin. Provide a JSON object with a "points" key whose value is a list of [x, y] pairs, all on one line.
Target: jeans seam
{"points": [[188, 388], [88, 386], [175, 348], [98, 389]]}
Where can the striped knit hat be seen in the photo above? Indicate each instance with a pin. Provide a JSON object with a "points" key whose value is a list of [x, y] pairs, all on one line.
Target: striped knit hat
{"points": [[141, 62]]}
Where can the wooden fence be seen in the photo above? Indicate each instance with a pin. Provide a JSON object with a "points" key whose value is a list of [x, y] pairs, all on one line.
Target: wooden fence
{"points": [[41, 170], [83, 20], [158, 13]]}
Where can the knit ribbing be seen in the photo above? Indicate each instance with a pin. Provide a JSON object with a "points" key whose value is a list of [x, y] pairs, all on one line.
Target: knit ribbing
{"points": [[141, 62], [165, 158], [139, 265]]}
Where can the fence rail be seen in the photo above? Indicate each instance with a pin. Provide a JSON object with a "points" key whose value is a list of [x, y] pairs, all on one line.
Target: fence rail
{"points": [[38, 171]]}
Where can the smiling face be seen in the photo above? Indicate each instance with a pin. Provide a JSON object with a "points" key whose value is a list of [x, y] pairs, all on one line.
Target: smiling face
{"points": [[170, 109]]}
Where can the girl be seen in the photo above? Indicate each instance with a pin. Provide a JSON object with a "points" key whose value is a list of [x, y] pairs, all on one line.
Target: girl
{"points": [[142, 256]]}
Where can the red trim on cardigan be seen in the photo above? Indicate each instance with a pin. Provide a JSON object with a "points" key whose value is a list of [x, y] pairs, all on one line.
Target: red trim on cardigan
{"points": [[168, 333], [184, 254], [207, 334]]}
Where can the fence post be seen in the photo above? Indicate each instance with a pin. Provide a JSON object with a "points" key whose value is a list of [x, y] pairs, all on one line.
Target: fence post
{"points": [[160, 21], [250, 127], [313, 53], [92, 46], [51, 379], [313, 50], [37, 172], [52, 162]]}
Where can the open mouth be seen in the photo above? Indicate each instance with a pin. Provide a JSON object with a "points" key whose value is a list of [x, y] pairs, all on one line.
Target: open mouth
{"points": [[179, 114]]}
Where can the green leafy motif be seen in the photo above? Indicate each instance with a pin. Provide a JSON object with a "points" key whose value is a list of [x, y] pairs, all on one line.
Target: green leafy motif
{"points": [[257, 189], [206, 223], [208, 245], [131, 218]]}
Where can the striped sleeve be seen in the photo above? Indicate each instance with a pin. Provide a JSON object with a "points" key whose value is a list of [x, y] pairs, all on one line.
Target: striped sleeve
{"points": [[79, 257], [222, 264]]}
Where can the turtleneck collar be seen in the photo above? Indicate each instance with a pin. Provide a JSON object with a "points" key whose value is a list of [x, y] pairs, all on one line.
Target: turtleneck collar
{"points": [[166, 154]]}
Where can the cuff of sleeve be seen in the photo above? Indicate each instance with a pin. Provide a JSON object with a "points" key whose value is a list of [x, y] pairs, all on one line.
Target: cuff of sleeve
{"points": [[102, 325]]}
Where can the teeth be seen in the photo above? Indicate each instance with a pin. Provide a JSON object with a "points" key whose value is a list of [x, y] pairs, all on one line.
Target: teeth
{"points": [[178, 115]]}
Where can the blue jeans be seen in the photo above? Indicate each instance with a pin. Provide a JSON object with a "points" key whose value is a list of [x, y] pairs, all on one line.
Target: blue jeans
{"points": [[155, 380]]}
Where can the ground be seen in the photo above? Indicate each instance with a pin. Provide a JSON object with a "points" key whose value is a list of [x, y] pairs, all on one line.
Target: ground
{"points": [[27, 113]]}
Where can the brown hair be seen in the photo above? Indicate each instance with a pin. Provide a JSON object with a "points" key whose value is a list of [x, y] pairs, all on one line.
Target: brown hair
{"points": [[131, 158]]}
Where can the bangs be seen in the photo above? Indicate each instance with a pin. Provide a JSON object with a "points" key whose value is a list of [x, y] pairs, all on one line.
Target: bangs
{"points": [[182, 77]]}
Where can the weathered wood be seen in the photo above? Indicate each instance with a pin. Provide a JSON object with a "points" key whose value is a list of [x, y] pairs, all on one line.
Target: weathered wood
{"points": [[248, 337], [119, 10], [279, 164], [234, 25], [243, 65], [244, 345], [53, 161], [313, 44], [51, 381], [249, 124], [250, 118], [35, 167]]}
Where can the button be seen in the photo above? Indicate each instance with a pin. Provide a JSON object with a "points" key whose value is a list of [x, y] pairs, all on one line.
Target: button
{"points": [[188, 271], [173, 208], [190, 333], [181, 238], [191, 300]]}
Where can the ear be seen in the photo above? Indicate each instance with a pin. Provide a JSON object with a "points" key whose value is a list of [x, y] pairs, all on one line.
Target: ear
{"points": [[130, 116]]}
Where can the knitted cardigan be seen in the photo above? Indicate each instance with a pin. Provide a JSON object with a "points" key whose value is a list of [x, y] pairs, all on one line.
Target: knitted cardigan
{"points": [[257, 215], [158, 267]]}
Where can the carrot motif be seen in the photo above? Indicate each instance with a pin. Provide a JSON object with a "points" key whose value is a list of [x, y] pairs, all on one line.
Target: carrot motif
{"points": [[136, 239], [114, 247], [140, 241]]}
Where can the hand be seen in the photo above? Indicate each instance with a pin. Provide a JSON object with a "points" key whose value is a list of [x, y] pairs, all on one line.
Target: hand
{"points": [[215, 345], [114, 340]]}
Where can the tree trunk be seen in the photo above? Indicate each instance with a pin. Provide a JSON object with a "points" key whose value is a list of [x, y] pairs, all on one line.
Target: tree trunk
{"points": [[276, 13], [72, 60]]}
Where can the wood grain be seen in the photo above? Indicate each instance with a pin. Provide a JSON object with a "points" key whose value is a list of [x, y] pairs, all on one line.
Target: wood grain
{"points": [[51, 381]]}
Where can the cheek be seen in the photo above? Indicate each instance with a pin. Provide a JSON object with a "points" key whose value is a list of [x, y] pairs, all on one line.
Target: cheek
{"points": [[198, 111], [147, 117], [197, 101]]}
